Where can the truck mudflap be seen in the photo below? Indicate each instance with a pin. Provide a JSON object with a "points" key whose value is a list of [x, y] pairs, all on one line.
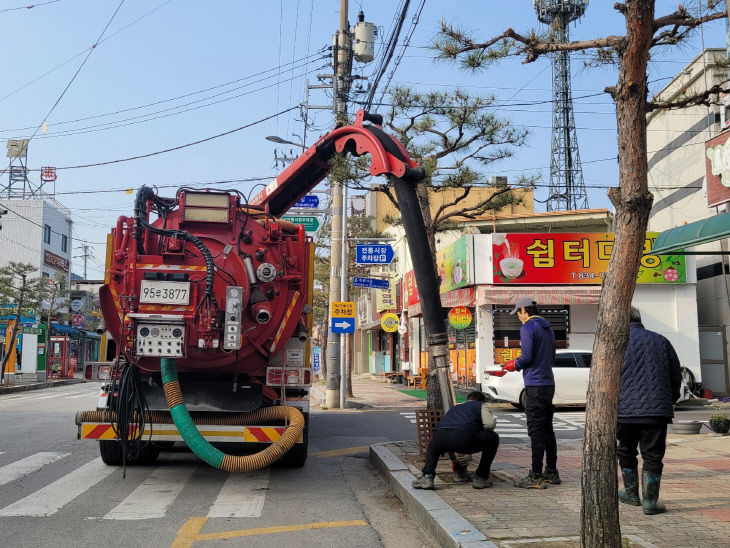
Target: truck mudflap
{"points": [[168, 432]]}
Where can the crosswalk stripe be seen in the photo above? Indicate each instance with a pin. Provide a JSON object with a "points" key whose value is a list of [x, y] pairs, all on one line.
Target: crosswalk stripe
{"points": [[153, 497], [91, 395], [25, 466], [242, 496], [53, 497]]}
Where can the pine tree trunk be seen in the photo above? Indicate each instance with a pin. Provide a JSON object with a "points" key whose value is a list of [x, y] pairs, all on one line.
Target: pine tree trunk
{"points": [[632, 200]]}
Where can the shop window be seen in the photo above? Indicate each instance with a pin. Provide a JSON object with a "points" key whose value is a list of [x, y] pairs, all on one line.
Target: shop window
{"points": [[507, 326], [47, 234]]}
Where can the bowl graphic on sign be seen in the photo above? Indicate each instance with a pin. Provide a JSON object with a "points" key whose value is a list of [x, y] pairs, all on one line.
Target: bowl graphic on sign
{"points": [[511, 267]]}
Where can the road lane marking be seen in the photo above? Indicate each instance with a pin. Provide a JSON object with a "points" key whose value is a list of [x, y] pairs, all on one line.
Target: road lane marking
{"points": [[53, 497], [242, 495], [154, 495], [25, 466], [189, 533], [340, 452]]}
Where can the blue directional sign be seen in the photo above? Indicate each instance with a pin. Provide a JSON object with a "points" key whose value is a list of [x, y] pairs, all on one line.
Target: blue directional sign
{"points": [[310, 200], [342, 325], [373, 283], [374, 254]]}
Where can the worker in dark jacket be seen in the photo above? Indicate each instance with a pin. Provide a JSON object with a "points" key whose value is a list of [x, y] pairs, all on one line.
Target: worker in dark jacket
{"points": [[650, 384], [537, 342], [466, 429]]}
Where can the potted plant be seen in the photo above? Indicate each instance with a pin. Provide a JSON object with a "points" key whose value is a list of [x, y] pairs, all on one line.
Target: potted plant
{"points": [[720, 423]]}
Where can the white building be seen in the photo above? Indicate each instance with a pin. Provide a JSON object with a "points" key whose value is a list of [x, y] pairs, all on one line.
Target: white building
{"points": [[37, 232], [677, 164]]}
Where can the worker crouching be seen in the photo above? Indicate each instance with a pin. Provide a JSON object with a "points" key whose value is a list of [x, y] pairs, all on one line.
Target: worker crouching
{"points": [[466, 428]]}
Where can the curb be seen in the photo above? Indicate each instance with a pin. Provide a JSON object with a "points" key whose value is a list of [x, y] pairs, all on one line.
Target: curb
{"points": [[429, 510], [37, 385], [318, 394]]}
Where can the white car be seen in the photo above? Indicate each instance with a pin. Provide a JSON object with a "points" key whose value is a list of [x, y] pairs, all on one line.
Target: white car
{"points": [[571, 370]]}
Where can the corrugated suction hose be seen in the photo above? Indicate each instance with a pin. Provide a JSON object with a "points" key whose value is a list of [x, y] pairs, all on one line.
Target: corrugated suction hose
{"points": [[200, 446]]}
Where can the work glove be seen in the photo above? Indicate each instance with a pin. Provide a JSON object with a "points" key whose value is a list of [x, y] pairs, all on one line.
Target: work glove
{"points": [[509, 366]]}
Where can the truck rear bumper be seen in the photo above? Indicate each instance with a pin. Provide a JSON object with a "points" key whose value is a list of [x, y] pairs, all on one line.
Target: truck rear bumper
{"points": [[168, 432]]}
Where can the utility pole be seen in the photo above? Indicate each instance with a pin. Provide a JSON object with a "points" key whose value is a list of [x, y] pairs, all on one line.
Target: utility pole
{"points": [[86, 255], [336, 362]]}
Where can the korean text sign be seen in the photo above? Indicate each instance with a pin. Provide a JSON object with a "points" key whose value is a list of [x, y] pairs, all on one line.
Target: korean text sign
{"points": [[577, 258]]}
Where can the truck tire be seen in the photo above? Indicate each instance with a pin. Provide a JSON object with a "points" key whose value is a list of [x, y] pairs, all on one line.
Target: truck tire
{"points": [[111, 454], [297, 455]]}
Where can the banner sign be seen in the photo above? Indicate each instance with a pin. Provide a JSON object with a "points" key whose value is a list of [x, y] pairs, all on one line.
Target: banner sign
{"points": [[453, 264], [55, 261], [717, 161], [579, 258], [410, 291]]}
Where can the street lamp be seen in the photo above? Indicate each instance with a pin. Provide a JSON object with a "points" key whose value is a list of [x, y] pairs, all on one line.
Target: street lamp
{"points": [[279, 140]]}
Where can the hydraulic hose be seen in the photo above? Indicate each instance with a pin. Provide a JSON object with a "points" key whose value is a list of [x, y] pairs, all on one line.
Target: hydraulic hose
{"points": [[215, 457]]}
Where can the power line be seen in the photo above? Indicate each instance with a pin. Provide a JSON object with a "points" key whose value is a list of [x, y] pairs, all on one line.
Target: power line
{"points": [[179, 147], [78, 70], [134, 120], [67, 61], [31, 6], [168, 100]]}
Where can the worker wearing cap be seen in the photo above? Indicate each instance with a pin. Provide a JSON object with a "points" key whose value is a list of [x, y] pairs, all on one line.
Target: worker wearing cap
{"points": [[537, 342]]}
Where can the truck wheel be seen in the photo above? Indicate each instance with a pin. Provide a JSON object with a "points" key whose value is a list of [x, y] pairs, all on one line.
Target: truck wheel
{"points": [[111, 452], [297, 455]]}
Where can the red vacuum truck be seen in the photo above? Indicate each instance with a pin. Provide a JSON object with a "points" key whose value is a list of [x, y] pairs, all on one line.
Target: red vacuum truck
{"points": [[208, 298]]}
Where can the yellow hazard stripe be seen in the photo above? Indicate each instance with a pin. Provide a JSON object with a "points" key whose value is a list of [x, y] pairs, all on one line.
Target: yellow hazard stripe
{"points": [[152, 266], [285, 320], [248, 434]]}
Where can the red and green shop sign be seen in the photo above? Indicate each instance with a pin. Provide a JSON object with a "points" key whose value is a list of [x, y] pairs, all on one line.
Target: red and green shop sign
{"points": [[578, 258], [460, 317]]}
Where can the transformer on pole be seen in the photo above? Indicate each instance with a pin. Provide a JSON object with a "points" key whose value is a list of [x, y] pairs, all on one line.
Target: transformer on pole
{"points": [[567, 189]]}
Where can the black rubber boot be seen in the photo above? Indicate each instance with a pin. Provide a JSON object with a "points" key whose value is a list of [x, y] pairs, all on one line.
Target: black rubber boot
{"points": [[650, 489], [630, 494]]}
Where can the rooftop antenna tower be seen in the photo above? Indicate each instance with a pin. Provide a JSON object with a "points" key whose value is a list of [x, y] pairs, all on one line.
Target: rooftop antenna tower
{"points": [[567, 190]]}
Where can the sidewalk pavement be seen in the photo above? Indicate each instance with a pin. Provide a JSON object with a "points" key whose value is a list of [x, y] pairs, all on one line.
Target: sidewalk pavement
{"points": [[21, 382], [695, 487]]}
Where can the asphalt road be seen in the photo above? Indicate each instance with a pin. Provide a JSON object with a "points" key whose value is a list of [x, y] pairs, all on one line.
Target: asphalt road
{"points": [[54, 490]]}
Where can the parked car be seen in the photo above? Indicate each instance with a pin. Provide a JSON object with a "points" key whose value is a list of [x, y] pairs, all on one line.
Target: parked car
{"points": [[571, 370]]}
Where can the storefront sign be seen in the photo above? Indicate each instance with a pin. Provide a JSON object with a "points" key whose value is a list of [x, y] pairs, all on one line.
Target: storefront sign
{"points": [[580, 258], [454, 263], [460, 317], [385, 298], [502, 355], [55, 261], [410, 291], [717, 152], [389, 322]]}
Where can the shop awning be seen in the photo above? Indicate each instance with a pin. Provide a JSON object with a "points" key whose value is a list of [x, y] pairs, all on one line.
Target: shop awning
{"points": [[693, 234], [64, 329], [457, 297], [542, 294]]}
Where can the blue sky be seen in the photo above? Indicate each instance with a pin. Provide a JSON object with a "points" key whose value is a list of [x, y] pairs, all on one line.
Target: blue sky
{"points": [[177, 71]]}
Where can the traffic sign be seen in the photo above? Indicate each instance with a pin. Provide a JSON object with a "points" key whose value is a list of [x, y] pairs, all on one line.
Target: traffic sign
{"points": [[374, 254], [342, 325], [308, 201], [341, 309], [311, 224], [77, 305], [374, 283], [389, 322]]}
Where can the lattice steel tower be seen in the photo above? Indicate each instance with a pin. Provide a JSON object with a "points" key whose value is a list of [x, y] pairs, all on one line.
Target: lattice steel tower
{"points": [[567, 190]]}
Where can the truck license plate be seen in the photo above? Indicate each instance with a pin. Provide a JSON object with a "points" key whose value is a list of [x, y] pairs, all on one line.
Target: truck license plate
{"points": [[161, 292]]}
